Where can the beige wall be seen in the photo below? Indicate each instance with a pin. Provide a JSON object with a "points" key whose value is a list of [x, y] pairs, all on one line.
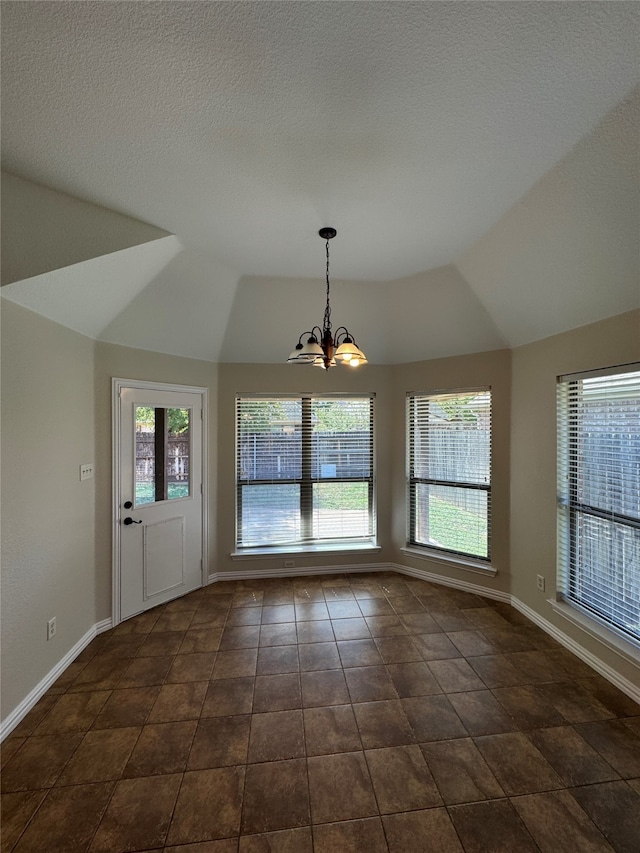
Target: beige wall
{"points": [[56, 414], [269, 378], [126, 363], [491, 369], [48, 542], [44, 230], [533, 457]]}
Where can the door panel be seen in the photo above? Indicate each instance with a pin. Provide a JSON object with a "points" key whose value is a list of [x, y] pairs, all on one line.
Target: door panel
{"points": [[160, 480], [164, 556]]}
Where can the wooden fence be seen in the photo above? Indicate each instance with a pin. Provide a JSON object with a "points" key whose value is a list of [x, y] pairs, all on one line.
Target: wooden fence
{"points": [[177, 457]]}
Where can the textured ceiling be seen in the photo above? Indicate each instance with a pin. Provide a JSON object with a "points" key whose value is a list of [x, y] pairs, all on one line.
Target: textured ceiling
{"points": [[476, 158]]}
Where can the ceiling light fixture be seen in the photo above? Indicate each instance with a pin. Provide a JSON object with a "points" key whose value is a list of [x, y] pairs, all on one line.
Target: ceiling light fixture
{"points": [[323, 348]]}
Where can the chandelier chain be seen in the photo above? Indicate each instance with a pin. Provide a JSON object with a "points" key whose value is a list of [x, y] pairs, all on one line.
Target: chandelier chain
{"points": [[327, 310]]}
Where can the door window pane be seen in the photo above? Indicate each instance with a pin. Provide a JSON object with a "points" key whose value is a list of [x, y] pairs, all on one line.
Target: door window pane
{"points": [[163, 450], [178, 453], [145, 455]]}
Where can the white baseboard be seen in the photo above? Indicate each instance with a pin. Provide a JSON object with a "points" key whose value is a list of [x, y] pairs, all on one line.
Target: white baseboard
{"points": [[301, 571], [20, 712], [465, 586], [628, 687], [632, 690]]}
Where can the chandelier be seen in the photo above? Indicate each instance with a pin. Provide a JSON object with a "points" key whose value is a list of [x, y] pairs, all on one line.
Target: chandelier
{"points": [[324, 348]]}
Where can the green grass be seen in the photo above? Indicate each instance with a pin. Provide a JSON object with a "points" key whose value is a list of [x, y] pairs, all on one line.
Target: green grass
{"points": [[449, 526], [145, 492], [342, 496], [457, 529], [326, 495]]}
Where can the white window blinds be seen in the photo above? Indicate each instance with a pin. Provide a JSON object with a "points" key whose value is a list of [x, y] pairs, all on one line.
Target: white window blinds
{"points": [[599, 495], [304, 470], [449, 440]]}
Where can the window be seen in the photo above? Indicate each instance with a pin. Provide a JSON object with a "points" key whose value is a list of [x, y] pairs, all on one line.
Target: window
{"points": [[450, 471], [304, 470], [163, 449], [599, 495]]}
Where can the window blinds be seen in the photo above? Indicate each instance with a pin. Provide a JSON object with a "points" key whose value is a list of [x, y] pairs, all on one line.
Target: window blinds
{"points": [[304, 470], [449, 440], [599, 495]]}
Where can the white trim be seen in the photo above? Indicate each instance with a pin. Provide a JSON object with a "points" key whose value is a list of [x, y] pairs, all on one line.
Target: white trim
{"points": [[443, 580], [632, 689], [296, 395], [266, 553], [613, 370], [438, 392], [117, 384], [304, 571], [607, 636], [467, 564], [19, 713], [629, 687], [301, 571]]}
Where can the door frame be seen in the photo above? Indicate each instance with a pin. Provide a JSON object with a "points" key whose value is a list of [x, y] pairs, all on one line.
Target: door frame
{"points": [[117, 385]]}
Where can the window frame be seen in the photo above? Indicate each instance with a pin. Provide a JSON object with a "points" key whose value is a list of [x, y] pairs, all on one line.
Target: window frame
{"points": [[570, 466], [306, 481], [413, 481]]}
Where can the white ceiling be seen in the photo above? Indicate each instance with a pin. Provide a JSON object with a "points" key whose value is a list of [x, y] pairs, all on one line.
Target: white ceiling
{"points": [[479, 161]]}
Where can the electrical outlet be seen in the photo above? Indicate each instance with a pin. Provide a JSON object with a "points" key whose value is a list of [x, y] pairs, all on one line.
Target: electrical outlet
{"points": [[86, 471], [289, 564], [540, 582], [51, 628]]}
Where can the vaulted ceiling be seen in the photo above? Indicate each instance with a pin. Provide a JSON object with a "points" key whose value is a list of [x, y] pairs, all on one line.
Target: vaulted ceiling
{"points": [[168, 165]]}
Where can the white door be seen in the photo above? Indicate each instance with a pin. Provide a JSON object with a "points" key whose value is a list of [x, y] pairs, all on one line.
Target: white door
{"points": [[159, 485]]}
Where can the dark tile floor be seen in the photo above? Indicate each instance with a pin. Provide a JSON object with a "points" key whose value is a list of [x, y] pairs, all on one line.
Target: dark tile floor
{"points": [[362, 713]]}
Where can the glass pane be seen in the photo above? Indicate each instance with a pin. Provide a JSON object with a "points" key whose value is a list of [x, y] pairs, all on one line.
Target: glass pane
{"points": [[269, 440], [177, 453], [341, 510], [606, 575], [609, 474], [452, 437], [163, 449], [341, 438], [270, 514], [145, 455], [451, 518]]}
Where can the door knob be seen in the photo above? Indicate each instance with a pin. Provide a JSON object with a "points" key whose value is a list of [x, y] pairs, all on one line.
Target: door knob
{"points": [[128, 520], [127, 504]]}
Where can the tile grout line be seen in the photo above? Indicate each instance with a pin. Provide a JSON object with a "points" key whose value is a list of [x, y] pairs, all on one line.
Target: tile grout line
{"points": [[563, 677]]}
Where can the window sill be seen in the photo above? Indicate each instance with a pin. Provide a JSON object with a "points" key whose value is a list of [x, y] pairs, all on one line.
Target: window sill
{"points": [[468, 564], [311, 550], [608, 636]]}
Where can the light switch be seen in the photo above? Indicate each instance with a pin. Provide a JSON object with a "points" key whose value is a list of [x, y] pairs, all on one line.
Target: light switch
{"points": [[86, 471]]}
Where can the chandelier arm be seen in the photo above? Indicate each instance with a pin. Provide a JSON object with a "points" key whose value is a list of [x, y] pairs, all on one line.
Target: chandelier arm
{"points": [[303, 334], [342, 335]]}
